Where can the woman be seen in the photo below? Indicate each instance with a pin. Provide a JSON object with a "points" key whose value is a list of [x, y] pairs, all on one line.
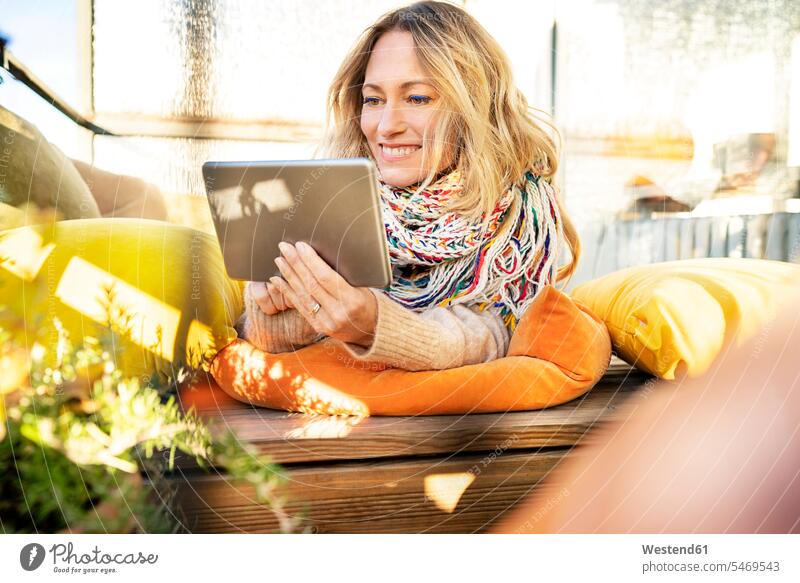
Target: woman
{"points": [[473, 222]]}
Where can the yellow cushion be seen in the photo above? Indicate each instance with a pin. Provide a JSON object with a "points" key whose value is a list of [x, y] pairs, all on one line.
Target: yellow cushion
{"points": [[673, 319], [163, 286]]}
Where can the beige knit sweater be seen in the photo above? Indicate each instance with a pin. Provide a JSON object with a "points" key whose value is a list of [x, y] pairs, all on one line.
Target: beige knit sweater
{"points": [[436, 339]]}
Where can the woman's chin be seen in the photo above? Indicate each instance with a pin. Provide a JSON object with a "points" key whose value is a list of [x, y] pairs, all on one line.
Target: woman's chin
{"points": [[401, 177]]}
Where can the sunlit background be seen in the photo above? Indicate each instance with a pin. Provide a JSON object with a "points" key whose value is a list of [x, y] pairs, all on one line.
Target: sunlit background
{"points": [[671, 112]]}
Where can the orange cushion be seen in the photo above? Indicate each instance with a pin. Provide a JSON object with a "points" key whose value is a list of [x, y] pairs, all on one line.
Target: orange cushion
{"points": [[557, 353]]}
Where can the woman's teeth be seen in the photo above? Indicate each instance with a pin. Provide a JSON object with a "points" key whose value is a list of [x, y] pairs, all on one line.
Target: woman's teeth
{"points": [[404, 151]]}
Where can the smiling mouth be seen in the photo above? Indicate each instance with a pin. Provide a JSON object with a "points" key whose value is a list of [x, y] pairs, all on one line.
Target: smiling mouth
{"points": [[397, 152]]}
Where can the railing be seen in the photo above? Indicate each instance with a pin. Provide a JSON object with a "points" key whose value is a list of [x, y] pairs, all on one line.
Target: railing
{"points": [[22, 74], [617, 244]]}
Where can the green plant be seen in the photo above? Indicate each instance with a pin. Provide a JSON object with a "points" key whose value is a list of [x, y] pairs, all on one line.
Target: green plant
{"points": [[76, 438]]}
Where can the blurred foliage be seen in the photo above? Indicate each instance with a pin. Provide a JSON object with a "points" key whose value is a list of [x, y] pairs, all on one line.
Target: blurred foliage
{"points": [[85, 449]]}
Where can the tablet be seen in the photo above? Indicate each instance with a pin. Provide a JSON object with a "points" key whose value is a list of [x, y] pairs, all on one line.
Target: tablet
{"points": [[333, 205]]}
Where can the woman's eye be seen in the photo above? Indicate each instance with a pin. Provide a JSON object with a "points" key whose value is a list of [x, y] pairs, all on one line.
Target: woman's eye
{"points": [[370, 100], [419, 99]]}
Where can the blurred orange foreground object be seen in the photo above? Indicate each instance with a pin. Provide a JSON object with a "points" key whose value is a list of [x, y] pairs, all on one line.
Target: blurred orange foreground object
{"points": [[717, 454], [558, 352]]}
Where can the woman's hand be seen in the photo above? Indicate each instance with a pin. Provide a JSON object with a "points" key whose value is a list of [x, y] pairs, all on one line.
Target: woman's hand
{"points": [[269, 298], [346, 313]]}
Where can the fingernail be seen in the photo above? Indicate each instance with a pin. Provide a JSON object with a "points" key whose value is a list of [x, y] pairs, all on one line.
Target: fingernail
{"points": [[303, 247], [283, 246]]}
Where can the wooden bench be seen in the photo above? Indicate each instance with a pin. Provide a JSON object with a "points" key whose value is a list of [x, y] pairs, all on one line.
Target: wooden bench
{"points": [[452, 473]]}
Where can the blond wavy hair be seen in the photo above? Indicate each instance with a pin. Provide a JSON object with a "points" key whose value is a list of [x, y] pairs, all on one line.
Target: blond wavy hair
{"points": [[485, 123]]}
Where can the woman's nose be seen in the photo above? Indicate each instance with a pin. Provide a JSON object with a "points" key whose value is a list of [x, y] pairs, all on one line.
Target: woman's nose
{"points": [[392, 120]]}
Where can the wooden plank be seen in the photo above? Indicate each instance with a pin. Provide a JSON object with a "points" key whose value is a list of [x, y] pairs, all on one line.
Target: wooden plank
{"points": [[591, 236], [672, 239], [457, 494], [739, 236], [776, 246], [701, 243], [793, 237], [719, 237], [641, 240], [625, 251], [757, 236], [606, 257], [686, 238], [296, 437], [658, 241]]}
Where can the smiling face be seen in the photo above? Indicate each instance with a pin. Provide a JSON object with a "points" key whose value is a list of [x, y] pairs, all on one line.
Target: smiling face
{"points": [[399, 110]]}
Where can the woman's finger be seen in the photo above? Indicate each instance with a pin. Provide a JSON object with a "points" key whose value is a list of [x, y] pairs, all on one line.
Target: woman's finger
{"points": [[293, 288], [276, 297], [286, 291], [278, 289], [261, 296], [320, 321], [297, 275], [346, 301], [327, 277]]}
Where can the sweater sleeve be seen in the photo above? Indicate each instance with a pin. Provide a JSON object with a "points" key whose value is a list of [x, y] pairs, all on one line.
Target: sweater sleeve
{"points": [[436, 339], [281, 332]]}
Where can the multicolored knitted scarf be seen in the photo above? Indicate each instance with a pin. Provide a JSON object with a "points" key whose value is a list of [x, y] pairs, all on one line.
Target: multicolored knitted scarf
{"points": [[441, 258]]}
